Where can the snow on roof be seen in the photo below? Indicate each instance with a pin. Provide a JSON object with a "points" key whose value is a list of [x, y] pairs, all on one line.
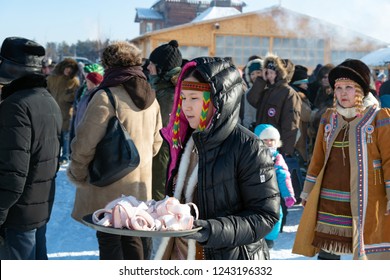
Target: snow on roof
{"points": [[143, 13], [216, 12], [379, 57]]}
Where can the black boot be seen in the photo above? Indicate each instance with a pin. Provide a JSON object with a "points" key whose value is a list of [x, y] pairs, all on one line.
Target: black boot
{"points": [[322, 255]]}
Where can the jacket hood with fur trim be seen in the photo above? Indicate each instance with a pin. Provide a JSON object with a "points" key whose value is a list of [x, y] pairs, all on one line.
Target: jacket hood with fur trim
{"points": [[67, 62], [247, 74], [280, 67]]}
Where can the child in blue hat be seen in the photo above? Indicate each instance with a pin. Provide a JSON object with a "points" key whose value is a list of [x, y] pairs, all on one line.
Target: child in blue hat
{"points": [[271, 137]]}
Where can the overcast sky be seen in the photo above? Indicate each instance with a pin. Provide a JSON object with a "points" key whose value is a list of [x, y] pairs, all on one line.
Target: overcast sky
{"points": [[73, 20]]}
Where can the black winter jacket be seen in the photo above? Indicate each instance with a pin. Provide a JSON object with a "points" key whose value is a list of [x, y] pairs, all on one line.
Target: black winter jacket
{"points": [[237, 188], [30, 126]]}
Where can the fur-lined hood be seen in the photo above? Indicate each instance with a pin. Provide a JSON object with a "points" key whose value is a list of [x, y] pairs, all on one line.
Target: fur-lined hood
{"points": [[67, 62], [278, 65], [247, 67]]}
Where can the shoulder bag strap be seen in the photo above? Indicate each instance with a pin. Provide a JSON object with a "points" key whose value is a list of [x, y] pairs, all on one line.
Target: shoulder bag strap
{"points": [[110, 97]]}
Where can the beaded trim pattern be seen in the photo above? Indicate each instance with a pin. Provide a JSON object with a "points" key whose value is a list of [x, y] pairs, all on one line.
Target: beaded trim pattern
{"points": [[187, 85], [362, 188]]}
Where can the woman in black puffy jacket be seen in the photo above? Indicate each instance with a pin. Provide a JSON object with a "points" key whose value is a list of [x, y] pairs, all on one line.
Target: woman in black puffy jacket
{"points": [[220, 166]]}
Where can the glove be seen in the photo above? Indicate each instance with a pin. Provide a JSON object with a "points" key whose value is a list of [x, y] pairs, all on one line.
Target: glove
{"points": [[304, 196], [202, 235], [289, 201]]}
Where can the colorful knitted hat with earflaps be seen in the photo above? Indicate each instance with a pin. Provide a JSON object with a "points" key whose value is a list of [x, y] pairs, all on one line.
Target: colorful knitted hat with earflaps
{"points": [[187, 85]]}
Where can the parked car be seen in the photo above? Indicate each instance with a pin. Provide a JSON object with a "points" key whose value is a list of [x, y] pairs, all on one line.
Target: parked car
{"points": [[83, 60]]}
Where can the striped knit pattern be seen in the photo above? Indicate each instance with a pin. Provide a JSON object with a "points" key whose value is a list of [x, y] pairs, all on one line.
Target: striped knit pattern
{"points": [[310, 178], [340, 144], [334, 220], [175, 137], [335, 195], [383, 122], [205, 109], [377, 164], [387, 183]]}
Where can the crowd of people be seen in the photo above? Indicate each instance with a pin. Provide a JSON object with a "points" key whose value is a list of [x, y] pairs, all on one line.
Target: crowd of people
{"points": [[243, 145]]}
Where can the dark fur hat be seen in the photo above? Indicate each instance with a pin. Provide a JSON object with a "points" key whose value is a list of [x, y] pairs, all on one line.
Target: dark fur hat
{"points": [[354, 70], [19, 57]]}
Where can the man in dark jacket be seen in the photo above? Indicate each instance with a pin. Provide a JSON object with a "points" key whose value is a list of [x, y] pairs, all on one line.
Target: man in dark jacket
{"points": [[30, 127]]}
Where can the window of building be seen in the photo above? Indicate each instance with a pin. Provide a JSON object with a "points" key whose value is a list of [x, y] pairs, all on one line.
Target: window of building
{"points": [[149, 26], [340, 56], [240, 48], [303, 51], [190, 52]]}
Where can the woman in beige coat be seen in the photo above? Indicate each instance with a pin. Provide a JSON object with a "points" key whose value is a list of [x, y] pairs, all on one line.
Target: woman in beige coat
{"points": [[139, 112]]}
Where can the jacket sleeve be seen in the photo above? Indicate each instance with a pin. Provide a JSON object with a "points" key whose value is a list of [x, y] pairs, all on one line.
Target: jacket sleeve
{"points": [[260, 199], [290, 122], [249, 113], [254, 93], [15, 145], [383, 145], [284, 177]]}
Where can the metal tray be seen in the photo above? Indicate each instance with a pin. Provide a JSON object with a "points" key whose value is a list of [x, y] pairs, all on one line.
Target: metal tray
{"points": [[87, 220]]}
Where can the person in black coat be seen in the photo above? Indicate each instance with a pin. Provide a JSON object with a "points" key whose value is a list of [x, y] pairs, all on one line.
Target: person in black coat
{"points": [[218, 165], [30, 127]]}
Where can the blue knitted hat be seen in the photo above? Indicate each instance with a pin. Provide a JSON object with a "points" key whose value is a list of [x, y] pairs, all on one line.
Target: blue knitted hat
{"points": [[267, 131]]}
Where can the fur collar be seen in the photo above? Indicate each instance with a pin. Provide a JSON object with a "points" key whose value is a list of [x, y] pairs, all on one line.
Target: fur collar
{"points": [[192, 182], [26, 82]]}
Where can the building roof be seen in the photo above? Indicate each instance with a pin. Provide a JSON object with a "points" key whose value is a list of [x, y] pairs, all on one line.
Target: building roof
{"points": [[143, 14], [216, 12], [233, 2], [287, 19], [379, 57]]}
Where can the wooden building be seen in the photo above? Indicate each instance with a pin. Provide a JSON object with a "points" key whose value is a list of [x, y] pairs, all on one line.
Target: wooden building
{"points": [[168, 13], [303, 39]]}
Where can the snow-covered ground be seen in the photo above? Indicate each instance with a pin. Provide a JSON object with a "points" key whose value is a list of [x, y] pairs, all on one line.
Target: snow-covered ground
{"points": [[70, 240]]}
